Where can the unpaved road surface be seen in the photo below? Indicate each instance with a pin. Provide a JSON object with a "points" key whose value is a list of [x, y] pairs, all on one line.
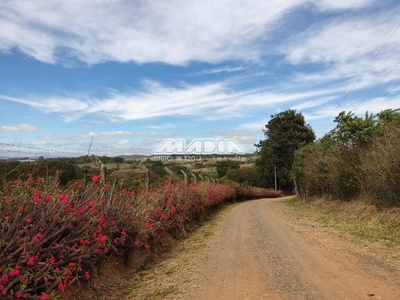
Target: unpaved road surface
{"points": [[264, 250]]}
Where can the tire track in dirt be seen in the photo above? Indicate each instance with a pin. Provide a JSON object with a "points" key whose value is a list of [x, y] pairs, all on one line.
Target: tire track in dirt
{"points": [[265, 251]]}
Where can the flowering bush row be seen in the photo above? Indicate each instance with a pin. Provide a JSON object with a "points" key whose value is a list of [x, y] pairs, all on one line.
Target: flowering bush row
{"points": [[52, 237], [243, 193]]}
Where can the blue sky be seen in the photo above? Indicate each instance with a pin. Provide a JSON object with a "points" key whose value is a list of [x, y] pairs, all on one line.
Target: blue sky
{"points": [[129, 74]]}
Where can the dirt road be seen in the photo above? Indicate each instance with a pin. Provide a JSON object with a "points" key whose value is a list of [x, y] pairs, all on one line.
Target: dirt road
{"points": [[264, 250]]}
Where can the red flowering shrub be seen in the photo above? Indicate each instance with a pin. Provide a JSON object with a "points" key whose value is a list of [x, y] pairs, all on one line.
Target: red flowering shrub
{"points": [[51, 238]]}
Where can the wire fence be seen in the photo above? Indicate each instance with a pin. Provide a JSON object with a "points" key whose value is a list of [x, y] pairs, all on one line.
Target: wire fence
{"points": [[20, 162]]}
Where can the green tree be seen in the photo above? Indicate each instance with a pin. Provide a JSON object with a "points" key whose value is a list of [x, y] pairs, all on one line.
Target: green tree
{"points": [[358, 158], [285, 133], [224, 165], [352, 132], [244, 175]]}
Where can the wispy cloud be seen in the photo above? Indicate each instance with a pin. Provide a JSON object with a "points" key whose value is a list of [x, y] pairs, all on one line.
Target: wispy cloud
{"points": [[19, 128], [122, 133], [341, 49], [210, 101], [174, 32], [219, 70], [123, 142], [341, 4]]}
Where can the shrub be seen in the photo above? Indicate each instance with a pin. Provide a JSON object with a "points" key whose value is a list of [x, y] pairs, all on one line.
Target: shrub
{"points": [[51, 237]]}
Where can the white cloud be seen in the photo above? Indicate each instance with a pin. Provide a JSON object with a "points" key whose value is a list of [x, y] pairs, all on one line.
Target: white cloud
{"points": [[20, 128], [148, 142], [121, 133], [123, 142], [219, 70], [244, 136], [216, 100], [340, 4], [313, 103], [55, 137], [71, 107], [345, 40], [342, 49], [174, 32], [39, 143]]}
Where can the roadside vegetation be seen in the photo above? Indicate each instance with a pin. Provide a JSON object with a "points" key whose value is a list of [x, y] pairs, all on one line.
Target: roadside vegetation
{"points": [[359, 159], [366, 222], [52, 236], [350, 178]]}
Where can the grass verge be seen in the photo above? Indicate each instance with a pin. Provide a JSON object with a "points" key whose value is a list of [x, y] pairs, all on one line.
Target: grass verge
{"points": [[355, 218]]}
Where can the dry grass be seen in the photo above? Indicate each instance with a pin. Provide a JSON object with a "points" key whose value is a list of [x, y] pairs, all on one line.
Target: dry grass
{"points": [[172, 276], [355, 218]]}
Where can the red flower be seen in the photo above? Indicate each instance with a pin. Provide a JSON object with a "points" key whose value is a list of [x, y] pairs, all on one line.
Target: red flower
{"points": [[44, 296], [52, 259], [37, 199], [101, 238], [87, 275], [14, 272], [28, 220], [19, 294], [147, 246], [16, 181], [31, 261], [91, 203], [95, 179], [84, 242], [62, 286], [37, 238], [64, 199]]}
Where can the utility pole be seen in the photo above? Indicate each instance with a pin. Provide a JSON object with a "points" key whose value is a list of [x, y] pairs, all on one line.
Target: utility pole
{"points": [[276, 186]]}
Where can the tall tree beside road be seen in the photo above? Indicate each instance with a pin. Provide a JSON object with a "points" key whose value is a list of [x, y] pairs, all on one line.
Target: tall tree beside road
{"points": [[285, 133]]}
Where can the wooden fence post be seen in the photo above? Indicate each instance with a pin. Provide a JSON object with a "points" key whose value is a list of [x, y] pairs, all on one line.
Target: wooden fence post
{"points": [[184, 174], [194, 178], [170, 173], [100, 164], [146, 176]]}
